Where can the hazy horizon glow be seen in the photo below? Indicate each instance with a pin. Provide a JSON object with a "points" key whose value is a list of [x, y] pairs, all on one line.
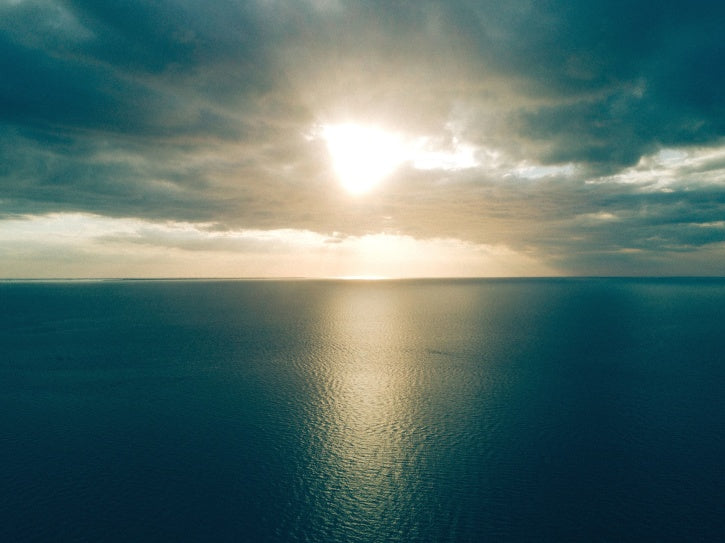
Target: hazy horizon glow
{"points": [[470, 138], [65, 245]]}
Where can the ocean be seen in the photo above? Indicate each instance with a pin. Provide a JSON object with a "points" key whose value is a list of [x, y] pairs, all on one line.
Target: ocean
{"points": [[363, 411]]}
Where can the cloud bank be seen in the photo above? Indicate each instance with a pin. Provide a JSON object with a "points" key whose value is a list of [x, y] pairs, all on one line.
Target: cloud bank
{"points": [[595, 133]]}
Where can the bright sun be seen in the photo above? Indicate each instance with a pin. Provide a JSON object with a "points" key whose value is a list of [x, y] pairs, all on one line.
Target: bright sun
{"points": [[362, 156]]}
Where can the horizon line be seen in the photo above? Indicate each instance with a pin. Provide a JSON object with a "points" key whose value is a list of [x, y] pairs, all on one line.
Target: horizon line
{"points": [[360, 278]]}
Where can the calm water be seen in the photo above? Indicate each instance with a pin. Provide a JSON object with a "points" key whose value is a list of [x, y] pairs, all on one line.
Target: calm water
{"points": [[483, 410]]}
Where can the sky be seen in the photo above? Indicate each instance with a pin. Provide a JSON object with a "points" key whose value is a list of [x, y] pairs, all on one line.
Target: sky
{"points": [[333, 138]]}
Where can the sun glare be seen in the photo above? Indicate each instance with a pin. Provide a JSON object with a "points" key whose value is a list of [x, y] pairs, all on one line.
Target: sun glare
{"points": [[362, 156]]}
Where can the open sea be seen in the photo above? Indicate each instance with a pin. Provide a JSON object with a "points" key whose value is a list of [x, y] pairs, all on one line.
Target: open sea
{"points": [[363, 411]]}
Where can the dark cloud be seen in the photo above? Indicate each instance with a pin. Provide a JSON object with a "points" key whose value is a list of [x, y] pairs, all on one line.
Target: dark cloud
{"points": [[196, 111]]}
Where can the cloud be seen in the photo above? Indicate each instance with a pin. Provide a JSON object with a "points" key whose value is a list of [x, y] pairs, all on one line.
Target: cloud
{"points": [[80, 245], [205, 113]]}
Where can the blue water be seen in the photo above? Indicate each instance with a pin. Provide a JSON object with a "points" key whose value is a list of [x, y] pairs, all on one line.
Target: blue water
{"points": [[468, 410]]}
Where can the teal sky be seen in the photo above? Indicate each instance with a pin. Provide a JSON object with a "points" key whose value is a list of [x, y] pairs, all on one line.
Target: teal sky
{"points": [[332, 138]]}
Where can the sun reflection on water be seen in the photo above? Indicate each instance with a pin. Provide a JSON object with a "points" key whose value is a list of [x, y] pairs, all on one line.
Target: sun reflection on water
{"points": [[365, 418]]}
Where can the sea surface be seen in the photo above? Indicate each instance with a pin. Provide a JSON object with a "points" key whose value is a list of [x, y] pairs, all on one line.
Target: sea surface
{"points": [[363, 411]]}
